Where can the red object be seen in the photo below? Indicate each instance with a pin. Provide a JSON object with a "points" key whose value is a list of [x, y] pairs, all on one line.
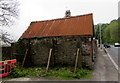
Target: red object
{"points": [[73, 25], [6, 67]]}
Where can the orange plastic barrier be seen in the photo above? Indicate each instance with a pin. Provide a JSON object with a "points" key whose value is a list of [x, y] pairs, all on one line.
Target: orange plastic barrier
{"points": [[6, 67]]}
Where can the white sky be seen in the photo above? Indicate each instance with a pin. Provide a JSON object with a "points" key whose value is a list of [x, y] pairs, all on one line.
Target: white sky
{"points": [[35, 10]]}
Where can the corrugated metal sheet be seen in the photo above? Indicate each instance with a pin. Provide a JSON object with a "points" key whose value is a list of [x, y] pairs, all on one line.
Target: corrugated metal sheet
{"points": [[76, 25]]}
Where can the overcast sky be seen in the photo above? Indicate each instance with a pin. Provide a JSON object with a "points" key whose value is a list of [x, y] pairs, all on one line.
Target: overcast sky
{"points": [[35, 10]]}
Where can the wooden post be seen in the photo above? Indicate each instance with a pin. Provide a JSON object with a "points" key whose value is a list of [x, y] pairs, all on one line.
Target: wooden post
{"points": [[76, 61], [24, 57], [49, 59]]}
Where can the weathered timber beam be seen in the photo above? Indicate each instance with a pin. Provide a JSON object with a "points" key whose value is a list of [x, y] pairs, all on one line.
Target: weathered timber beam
{"points": [[50, 53]]}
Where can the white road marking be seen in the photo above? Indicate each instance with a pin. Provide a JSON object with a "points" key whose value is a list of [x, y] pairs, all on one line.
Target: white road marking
{"points": [[116, 66]]}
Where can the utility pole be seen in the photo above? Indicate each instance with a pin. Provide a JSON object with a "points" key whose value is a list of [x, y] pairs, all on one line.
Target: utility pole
{"points": [[100, 36]]}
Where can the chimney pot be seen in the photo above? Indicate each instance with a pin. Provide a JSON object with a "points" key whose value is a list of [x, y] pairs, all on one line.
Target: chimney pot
{"points": [[67, 13]]}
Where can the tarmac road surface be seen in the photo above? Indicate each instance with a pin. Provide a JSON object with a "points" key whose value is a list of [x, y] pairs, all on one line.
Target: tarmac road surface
{"points": [[113, 52]]}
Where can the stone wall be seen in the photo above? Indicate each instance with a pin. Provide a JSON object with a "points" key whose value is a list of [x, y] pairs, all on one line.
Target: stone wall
{"points": [[64, 50], [40, 50], [18, 51], [6, 53]]}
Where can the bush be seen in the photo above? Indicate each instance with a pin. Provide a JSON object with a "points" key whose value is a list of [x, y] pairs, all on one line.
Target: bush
{"points": [[18, 73]]}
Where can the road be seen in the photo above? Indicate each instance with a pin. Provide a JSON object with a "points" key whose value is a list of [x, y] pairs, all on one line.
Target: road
{"points": [[113, 52]]}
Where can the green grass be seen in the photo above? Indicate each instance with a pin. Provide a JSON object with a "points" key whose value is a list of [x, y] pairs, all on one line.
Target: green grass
{"points": [[56, 72]]}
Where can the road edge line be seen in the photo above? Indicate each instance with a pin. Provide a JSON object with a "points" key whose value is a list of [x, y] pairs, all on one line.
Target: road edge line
{"points": [[115, 65]]}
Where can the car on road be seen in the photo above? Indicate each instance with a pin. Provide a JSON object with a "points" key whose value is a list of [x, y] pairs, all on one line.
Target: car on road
{"points": [[106, 45], [117, 44]]}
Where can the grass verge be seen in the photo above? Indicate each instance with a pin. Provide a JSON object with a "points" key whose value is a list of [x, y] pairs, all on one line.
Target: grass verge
{"points": [[56, 72]]}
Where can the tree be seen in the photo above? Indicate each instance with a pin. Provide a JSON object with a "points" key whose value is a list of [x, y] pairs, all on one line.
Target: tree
{"points": [[107, 36], [96, 31], [111, 32], [5, 38], [8, 11]]}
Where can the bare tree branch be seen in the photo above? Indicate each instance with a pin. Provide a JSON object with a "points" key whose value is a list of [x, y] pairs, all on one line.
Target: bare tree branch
{"points": [[8, 11], [5, 37]]}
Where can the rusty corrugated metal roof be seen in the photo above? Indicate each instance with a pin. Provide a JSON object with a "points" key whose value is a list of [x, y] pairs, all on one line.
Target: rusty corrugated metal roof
{"points": [[76, 25]]}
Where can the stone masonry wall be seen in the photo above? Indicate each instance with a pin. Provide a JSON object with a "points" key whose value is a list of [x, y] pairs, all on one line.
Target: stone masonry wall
{"points": [[64, 50], [40, 50]]}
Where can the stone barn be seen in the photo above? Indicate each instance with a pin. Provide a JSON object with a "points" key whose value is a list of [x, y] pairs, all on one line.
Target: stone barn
{"points": [[64, 41]]}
